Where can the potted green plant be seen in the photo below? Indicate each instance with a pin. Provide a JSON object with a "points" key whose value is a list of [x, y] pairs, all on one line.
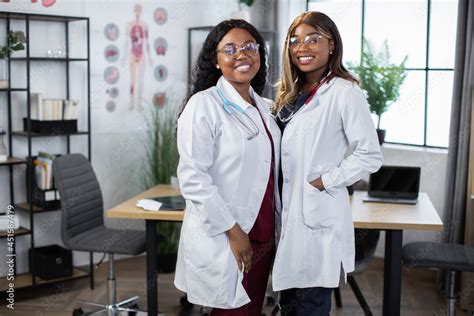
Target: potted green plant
{"points": [[160, 165], [380, 79], [15, 42]]}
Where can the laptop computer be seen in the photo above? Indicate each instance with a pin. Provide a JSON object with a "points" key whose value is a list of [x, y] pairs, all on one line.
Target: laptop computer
{"points": [[394, 184]]}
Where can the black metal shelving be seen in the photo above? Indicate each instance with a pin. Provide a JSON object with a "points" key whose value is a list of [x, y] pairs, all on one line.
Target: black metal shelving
{"points": [[30, 279]]}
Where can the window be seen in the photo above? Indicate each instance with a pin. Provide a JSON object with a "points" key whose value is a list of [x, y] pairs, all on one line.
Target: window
{"points": [[423, 30]]}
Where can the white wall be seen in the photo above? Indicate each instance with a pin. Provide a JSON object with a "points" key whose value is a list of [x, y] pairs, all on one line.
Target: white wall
{"points": [[117, 138]]}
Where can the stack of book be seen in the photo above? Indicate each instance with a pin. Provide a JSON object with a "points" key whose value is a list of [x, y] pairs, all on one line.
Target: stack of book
{"points": [[52, 109]]}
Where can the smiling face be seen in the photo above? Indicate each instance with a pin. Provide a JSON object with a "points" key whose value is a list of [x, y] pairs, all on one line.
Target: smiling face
{"points": [[240, 68], [311, 51]]}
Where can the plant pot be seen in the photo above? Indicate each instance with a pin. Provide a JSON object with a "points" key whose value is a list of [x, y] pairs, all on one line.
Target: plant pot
{"points": [[166, 262], [4, 73], [381, 135], [243, 14], [253, 14]]}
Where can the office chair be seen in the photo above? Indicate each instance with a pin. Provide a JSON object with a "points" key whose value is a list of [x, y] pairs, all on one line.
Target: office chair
{"points": [[366, 241], [82, 225], [451, 257]]}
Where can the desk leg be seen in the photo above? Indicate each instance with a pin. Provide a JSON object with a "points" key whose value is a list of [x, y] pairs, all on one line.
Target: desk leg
{"points": [[392, 274], [151, 270]]}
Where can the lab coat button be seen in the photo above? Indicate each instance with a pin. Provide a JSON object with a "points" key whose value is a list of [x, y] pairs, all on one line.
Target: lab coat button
{"points": [[285, 209], [287, 180], [285, 153], [320, 168]]}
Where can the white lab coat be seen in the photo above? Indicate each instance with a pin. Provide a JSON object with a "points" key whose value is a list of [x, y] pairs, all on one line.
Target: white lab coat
{"points": [[223, 178], [317, 234]]}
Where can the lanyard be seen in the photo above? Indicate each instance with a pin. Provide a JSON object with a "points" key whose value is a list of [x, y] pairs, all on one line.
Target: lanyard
{"points": [[313, 91]]}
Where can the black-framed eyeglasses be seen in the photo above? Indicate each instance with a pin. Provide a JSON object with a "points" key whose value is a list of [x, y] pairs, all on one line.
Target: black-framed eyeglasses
{"points": [[249, 49], [311, 41]]}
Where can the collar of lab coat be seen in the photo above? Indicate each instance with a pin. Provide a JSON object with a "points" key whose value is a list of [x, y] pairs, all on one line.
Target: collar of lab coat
{"points": [[232, 95], [323, 89], [326, 86]]}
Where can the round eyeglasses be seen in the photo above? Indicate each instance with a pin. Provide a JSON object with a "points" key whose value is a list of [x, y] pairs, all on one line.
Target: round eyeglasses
{"points": [[231, 50], [311, 41]]}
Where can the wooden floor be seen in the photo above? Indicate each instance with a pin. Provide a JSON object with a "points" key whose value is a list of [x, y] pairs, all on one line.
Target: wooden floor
{"points": [[419, 296]]}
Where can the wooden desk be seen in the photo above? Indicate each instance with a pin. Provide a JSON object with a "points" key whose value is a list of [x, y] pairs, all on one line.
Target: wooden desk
{"points": [[393, 218], [129, 210]]}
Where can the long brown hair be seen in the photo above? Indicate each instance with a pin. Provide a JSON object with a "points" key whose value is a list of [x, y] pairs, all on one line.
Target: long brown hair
{"points": [[292, 79]]}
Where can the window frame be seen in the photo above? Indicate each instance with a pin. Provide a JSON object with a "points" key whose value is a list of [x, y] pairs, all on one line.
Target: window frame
{"points": [[427, 69]]}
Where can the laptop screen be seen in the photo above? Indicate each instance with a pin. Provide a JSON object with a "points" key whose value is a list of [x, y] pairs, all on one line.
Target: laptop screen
{"points": [[395, 182]]}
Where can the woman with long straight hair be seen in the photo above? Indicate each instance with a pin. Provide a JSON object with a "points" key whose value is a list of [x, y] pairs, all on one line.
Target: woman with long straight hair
{"points": [[322, 113]]}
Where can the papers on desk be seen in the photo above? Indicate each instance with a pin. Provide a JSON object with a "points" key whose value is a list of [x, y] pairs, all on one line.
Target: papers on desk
{"points": [[149, 205]]}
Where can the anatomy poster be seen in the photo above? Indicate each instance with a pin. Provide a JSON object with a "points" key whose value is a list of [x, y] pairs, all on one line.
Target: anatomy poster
{"points": [[139, 55]]}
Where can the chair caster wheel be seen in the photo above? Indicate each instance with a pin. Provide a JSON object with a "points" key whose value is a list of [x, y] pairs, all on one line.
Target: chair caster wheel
{"points": [[133, 306], [78, 312]]}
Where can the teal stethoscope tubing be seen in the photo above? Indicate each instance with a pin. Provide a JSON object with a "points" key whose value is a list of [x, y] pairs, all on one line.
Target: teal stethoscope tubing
{"points": [[239, 114]]}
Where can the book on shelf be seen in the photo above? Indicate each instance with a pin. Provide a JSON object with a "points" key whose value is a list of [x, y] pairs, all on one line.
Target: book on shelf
{"points": [[43, 170], [52, 109], [70, 109], [36, 106]]}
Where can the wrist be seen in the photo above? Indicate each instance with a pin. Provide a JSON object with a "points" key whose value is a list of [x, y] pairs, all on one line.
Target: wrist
{"points": [[233, 231]]}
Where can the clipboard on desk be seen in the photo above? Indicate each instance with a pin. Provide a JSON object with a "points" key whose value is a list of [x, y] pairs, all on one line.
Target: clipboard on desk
{"points": [[175, 202]]}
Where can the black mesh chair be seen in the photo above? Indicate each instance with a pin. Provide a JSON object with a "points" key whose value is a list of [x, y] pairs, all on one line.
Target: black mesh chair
{"points": [[366, 241], [82, 226], [450, 257]]}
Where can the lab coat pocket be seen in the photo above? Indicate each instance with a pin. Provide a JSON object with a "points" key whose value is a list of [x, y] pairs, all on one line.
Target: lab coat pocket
{"points": [[201, 251], [319, 208]]}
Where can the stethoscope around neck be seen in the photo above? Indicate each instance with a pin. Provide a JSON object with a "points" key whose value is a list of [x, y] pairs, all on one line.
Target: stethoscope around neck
{"points": [[240, 115], [310, 95]]}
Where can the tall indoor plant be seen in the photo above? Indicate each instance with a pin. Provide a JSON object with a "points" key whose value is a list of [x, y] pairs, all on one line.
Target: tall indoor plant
{"points": [[15, 42], [160, 165], [380, 79]]}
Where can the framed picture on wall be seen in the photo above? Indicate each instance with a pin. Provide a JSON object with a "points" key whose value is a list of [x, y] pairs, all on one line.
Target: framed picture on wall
{"points": [[197, 36]]}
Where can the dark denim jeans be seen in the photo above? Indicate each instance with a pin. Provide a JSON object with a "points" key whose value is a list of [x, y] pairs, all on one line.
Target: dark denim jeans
{"points": [[313, 301]]}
